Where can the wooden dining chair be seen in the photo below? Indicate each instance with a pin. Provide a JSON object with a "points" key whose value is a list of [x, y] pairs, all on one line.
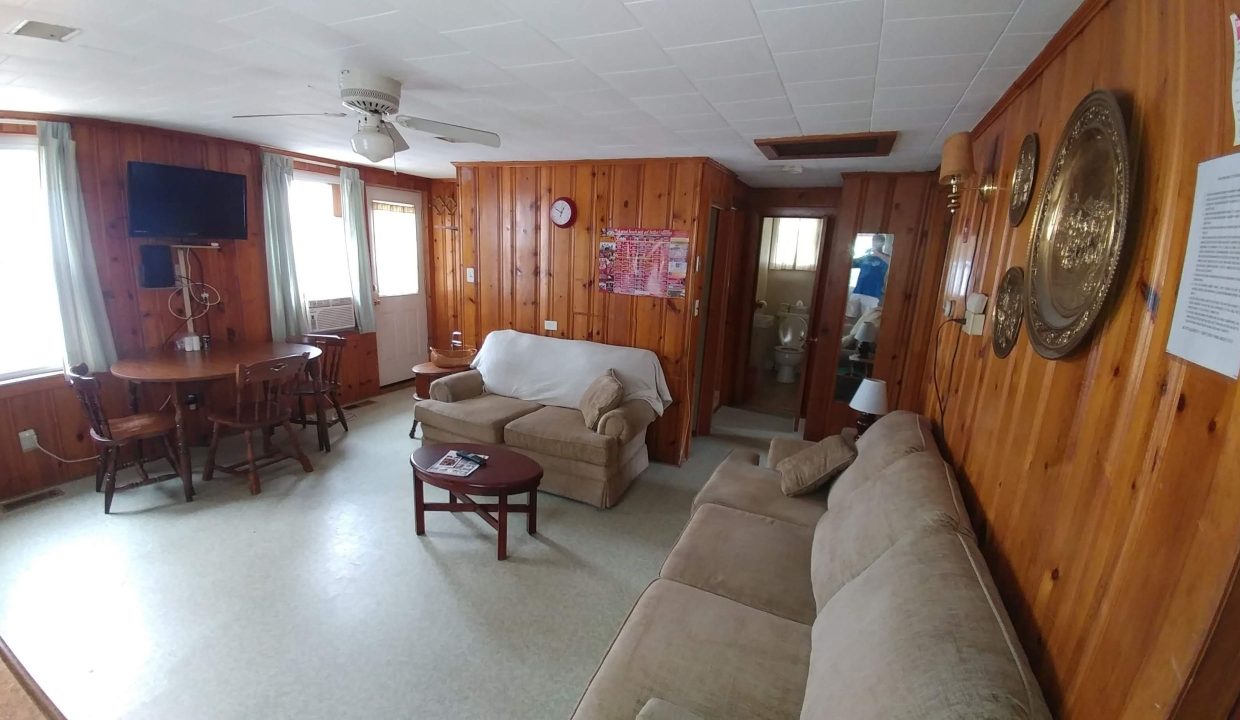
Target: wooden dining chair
{"points": [[320, 384], [111, 435], [262, 404]]}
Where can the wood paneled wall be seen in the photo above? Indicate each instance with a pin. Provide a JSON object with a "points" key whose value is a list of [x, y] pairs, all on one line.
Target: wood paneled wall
{"points": [[901, 204], [1106, 486], [529, 271], [139, 318]]}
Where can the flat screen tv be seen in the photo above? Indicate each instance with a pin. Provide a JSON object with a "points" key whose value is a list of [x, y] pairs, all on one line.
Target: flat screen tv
{"points": [[177, 202]]}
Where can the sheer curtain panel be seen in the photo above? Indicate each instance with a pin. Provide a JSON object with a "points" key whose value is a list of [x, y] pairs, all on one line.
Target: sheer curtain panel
{"points": [[288, 309], [353, 208]]}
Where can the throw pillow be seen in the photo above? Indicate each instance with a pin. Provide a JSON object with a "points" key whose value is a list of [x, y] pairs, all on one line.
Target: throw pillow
{"points": [[816, 466], [601, 397]]}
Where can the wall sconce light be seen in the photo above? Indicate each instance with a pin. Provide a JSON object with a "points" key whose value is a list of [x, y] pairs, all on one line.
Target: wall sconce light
{"points": [[957, 166]]}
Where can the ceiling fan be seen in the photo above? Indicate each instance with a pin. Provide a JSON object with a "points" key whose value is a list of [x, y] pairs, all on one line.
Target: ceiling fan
{"points": [[375, 98]]}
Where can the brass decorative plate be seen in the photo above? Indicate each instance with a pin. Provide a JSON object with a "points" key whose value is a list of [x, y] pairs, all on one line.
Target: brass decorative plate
{"points": [[1023, 177], [1078, 229], [1009, 309]]}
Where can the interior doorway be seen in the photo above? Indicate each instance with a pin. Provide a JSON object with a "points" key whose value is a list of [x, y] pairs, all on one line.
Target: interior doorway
{"points": [[399, 262], [701, 311], [791, 251]]}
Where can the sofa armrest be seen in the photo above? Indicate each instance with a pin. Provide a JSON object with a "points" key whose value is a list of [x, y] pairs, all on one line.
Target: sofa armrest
{"points": [[782, 448], [657, 709], [460, 386], [626, 421]]}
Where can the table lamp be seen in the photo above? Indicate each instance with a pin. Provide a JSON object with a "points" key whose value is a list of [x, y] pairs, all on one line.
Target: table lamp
{"points": [[866, 334], [871, 401]]}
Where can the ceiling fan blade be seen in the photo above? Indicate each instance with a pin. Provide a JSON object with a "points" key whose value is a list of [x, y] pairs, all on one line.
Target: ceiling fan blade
{"points": [[398, 140], [449, 132], [330, 114]]}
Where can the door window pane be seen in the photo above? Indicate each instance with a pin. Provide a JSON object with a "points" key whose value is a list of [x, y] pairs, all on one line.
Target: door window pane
{"points": [[394, 230]]}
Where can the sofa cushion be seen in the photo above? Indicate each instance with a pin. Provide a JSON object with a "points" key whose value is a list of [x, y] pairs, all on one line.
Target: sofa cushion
{"points": [[601, 397], [659, 709], [894, 435], [739, 483], [920, 634], [785, 447], [752, 559], [917, 490], [709, 655], [479, 418], [815, 466], [559, 431]]}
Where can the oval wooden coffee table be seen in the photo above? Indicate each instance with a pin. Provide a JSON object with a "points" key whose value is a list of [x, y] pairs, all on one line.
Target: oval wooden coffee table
{"points": [[506, 473]]}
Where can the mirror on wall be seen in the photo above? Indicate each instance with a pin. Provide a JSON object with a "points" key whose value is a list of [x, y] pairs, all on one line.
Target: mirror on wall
{"points": [[863, 311]]}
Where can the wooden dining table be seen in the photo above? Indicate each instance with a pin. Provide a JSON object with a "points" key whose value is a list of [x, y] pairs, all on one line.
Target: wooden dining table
{"points": [[177, 368]]}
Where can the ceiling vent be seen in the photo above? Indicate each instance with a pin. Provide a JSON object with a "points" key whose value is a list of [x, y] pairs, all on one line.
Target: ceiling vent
{"points": [[815, 147], [44, 31]]}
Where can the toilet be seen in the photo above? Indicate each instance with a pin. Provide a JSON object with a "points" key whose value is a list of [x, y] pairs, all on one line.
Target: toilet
{"points": [[790, 352]]}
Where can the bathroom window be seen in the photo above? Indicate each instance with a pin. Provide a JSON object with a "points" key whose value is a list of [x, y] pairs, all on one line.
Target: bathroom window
{"points": [[794, 243]]}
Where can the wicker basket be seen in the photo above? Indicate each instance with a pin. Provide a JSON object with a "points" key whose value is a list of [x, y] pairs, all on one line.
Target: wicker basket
{"points": [[453, 358]]}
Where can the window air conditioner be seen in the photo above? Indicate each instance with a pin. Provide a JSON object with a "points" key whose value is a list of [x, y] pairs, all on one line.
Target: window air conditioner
{"points": [[335, 314]]}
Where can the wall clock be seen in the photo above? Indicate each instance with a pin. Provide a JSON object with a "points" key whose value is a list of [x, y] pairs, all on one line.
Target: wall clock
{"points": [[563, 212]]}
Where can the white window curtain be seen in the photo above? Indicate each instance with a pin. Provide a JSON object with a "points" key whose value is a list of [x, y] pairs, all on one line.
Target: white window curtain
{"points": [[88, 336], [353, 208], [288, 311], [794, 243]]}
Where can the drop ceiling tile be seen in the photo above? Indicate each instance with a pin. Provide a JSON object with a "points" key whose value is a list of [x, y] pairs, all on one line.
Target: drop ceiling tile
{"points": [[617, 52], [1042, 16], [916, 141], [829, 92], [959, 122], [565, 76], [662, 106], [604, 100], [461, 69], [909, 118], [1017, 50], [399, 34], [573, 18], [829, 64], [942, 36], [514, 95], [178, 27], [908, 9], [815, 27], [814, 118], [755, 109], [329, 12], [509, 44], [286, 28], [656, 136], [691, 22], [763, 5], [699, 121], [913, 72], [757, 86], [768, 127], [719, 137], [987, 88], [914, 97], [621, 119], [730, 57], [835, 127], [656, 81], [457, 14]]}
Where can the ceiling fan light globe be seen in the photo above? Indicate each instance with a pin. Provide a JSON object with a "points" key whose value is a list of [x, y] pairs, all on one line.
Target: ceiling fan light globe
{"points": [[373, 145]]}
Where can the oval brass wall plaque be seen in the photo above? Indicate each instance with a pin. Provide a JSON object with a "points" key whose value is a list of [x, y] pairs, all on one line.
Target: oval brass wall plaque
{"points": [[1078, 228], [1023, 177], [1009, 309]]}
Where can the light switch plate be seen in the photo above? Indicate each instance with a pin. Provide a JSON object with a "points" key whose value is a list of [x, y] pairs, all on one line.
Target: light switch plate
{"points": [[29, 439], [551, 325], [469, 274]]}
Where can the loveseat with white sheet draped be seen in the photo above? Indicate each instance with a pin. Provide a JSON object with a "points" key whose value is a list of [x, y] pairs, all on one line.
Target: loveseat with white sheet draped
{"points": [[524, 391]]}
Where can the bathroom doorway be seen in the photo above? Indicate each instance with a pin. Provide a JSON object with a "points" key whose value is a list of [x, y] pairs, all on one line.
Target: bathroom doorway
{"points": [[790, 252]]}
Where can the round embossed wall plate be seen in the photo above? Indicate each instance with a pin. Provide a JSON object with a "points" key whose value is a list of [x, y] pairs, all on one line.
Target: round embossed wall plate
{"points": [[1023, 177], [1009, 309], [1077, 236]]}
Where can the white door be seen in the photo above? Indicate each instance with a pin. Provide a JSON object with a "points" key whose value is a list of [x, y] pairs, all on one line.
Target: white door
{"points": [[400, 315]]}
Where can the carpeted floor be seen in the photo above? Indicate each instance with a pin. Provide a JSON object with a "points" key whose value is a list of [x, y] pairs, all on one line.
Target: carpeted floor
{"points": [[316, 599]]}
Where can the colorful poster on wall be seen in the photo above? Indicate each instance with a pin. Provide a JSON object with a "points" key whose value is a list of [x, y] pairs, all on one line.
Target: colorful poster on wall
{"points": [[650, 262]]}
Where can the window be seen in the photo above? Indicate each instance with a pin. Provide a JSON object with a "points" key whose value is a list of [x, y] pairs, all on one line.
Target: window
{"points": [[794, 243], [319, 244], [27, 279], [394, 235]]}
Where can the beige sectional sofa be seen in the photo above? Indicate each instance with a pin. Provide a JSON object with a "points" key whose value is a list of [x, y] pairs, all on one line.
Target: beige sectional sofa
{"points": [[538, 417], [869, 600]]}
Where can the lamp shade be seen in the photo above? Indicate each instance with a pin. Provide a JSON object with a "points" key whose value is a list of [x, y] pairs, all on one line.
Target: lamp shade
{"points": [[866, 332], [871, 397], [957, 158], [373, 144]]}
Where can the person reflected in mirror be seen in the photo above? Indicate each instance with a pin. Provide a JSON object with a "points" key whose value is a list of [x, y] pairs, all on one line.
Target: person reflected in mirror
{"points": [[872, 280]]}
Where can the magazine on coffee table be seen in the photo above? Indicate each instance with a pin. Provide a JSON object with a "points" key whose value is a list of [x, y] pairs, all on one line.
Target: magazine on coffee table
{"points": [[455, 465]]}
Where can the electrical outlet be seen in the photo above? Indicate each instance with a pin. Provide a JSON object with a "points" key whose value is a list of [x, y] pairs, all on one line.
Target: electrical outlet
{"points": [[469, 274], [29, 439], [551, 325]]}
